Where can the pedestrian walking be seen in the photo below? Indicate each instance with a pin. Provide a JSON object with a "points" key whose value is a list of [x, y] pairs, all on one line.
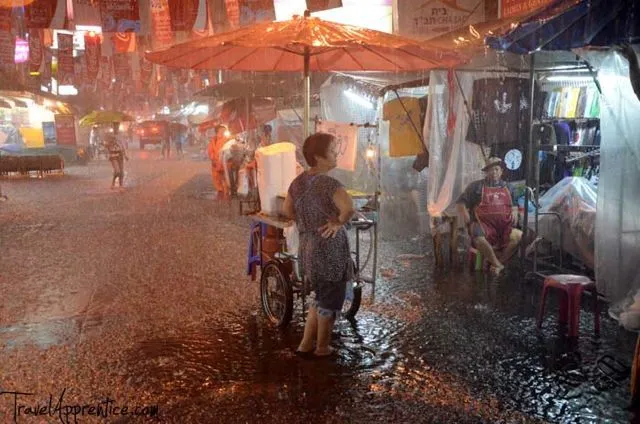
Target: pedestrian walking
{"points": [[214, 150], [117, 155], [321, 207]]}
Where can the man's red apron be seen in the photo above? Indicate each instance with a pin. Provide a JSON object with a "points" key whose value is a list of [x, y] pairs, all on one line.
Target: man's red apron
{"points": [[494, 215]]}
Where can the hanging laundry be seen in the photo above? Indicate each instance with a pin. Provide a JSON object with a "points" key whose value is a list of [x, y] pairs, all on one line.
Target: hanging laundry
{"points": [[403, 139]]}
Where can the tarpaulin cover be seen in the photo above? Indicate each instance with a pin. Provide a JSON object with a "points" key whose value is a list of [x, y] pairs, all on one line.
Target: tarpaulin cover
{"points": [[565, 25], [617, 221], [574, 199]]}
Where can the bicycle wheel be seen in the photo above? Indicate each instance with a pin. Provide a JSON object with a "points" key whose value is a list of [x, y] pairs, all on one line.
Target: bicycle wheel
{"points": [[352, 302], [276, 294]]}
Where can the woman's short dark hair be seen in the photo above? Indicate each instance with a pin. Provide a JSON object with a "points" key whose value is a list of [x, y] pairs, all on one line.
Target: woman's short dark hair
{"points": [[316, 145]]}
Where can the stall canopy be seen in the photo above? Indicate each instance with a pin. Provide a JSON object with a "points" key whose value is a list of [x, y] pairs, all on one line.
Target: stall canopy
{"points": [[571, 25], [565, 25]]}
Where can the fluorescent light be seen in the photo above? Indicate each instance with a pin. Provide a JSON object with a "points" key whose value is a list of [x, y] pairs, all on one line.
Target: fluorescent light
{"points": [[67, 90], [555, 78], [359, 99]]}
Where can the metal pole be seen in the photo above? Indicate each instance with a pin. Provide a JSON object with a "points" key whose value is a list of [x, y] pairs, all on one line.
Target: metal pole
{"points": [[307, 92], [531, 153], [376, 200]]}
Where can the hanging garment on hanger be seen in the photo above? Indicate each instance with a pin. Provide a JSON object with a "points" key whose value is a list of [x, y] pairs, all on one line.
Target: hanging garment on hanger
{"points": [[582, 102], [501, 109]]}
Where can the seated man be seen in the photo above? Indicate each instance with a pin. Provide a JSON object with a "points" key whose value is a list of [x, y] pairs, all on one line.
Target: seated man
{"points": [[489, 210]]}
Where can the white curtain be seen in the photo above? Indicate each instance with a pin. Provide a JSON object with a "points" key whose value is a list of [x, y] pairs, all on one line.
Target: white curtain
{"points": [[454, 162]]}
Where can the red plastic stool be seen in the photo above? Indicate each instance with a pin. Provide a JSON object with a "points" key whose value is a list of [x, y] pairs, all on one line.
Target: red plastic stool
{"points": [[572, 287]]}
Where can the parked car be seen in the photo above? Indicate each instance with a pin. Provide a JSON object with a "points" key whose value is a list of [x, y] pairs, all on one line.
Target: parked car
{"points": [[152, 132]]}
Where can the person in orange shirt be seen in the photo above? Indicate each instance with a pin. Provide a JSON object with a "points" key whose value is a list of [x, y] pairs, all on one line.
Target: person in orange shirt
{"points": [[217, 166]]}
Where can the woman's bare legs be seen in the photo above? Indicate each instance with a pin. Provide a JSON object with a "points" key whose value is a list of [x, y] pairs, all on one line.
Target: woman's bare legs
{"points": [[310, 330], [325, 328]]}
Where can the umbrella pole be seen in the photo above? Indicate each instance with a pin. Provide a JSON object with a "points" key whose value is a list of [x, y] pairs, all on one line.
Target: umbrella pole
{"points": [[307, 93]]}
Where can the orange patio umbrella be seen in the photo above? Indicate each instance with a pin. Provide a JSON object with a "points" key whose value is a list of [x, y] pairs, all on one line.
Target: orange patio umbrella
{"points": [[305, 44]]}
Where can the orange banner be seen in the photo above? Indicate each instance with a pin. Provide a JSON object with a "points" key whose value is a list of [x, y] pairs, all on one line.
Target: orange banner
{"points": [[513, 8]]}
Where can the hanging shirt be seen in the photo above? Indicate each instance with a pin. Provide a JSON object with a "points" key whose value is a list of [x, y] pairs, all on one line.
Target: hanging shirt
{"points": [[501, 108], [403, 139]]}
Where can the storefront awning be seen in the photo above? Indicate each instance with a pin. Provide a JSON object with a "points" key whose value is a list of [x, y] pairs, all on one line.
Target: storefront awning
{"points": [[566, 25]]}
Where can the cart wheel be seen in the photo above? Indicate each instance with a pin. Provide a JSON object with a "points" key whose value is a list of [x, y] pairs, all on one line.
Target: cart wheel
{"points": [[351, 304], [276, 294]]}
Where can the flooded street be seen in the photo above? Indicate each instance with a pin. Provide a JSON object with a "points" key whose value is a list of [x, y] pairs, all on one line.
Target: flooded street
{"points": [[141, 296]]}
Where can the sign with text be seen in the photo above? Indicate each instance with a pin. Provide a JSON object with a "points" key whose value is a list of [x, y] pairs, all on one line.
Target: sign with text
{"points": [[86, 13], [513, 8], [66, 65], [120, 15], [346, 142], [432, 18], [65, 129], [183, 14], [252, 11]]}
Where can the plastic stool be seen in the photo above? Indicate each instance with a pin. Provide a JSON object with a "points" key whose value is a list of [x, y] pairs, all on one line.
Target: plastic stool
{"points": [[572, 286]]}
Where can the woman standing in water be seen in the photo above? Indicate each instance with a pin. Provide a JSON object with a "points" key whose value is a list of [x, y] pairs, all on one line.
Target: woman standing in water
{"points": [[321, 207]]}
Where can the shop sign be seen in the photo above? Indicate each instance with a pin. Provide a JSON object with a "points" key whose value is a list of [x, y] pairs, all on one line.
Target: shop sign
{"points": [[35, 50], [65, 130], [21, 54], [120, 15], [429, 19], [512, 8], [66, 65]]}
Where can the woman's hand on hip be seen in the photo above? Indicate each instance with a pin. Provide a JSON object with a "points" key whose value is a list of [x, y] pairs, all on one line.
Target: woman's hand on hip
{"points": [[330, 229]]}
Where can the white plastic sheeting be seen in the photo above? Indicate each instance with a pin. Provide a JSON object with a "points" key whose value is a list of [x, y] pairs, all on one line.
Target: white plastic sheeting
{"points": [[453, 162], [618, 218], [574, 199]]}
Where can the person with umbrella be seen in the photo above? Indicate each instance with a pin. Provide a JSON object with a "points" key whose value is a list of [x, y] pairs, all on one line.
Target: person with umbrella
{"points": [[117, 155]]}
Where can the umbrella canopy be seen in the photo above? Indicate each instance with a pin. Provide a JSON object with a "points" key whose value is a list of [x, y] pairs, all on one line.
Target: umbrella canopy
{"points": [[104, 117], [233, 114], [281, 46], [566, 25], [305, 44]]}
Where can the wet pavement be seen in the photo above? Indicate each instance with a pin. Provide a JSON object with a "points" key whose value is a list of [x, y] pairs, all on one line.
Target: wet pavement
{"points": [[141, 296]]}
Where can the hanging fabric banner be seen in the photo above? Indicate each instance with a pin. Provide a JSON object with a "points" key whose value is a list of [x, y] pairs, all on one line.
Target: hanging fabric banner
{"points": [[124, 42], [121, 66], [233, 12], [35, 50], [346, 142], [66, 67], [85, 12], [161, 32], [41, 14], [252, 11], [105, 72], [46, 68], [430, 19], [7, 39], [183, 14], [319, 5], [120, 15], [146, 70], [92, 55], [65, 129]]}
